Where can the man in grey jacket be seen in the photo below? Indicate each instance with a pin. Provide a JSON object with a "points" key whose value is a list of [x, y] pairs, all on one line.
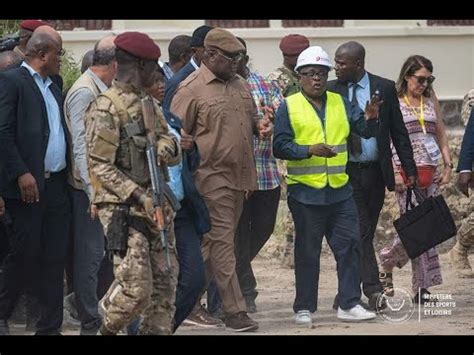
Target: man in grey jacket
{"points": [[87, 233]]}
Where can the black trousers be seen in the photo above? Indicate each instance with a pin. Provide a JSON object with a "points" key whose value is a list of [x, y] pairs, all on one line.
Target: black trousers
{"points": [[38, 252], [369, 194], [255, 226]]}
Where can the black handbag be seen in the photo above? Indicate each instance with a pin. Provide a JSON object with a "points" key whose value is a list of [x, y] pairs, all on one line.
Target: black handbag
{"points": [[425, 225]]}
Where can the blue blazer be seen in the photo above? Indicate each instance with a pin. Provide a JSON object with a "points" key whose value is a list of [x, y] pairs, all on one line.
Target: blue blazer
{"points": [[172, 84], [192, 198], [466, 156]]}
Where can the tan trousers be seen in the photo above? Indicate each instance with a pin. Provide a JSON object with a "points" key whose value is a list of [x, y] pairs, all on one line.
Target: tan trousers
{"points": [[225, 207]]}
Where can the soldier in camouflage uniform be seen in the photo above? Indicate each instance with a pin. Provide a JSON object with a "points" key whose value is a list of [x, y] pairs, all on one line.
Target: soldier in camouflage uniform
{"points": [[291, 46], [121, 187], [465, 237]]}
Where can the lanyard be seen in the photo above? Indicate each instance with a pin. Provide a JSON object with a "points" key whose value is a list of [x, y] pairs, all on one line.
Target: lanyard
{"points": [[421, 115]]}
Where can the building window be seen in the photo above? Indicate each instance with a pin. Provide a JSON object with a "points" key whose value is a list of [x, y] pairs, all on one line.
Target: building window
{"points": [[450, 22], [238, 23], [312, 23], [69, 25]]}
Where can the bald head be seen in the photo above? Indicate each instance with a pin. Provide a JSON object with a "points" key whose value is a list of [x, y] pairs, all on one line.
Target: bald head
{"points": [[41, 41], [354, 50], [104, 51], [48, 30], [9, 60]]}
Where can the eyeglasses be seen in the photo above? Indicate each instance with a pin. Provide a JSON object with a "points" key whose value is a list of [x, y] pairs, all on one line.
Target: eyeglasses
{"points": [[61, 52], [234, 59], [422, 79], [314, 75]]}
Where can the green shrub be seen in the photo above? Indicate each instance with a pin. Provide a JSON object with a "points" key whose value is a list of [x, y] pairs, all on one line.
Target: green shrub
{"points": [[8, 27], [70, 70]]}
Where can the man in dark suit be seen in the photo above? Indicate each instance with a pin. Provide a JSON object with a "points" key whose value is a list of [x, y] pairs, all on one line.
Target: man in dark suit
{"points": [[370, 160], [197, 49], [33, 142]]}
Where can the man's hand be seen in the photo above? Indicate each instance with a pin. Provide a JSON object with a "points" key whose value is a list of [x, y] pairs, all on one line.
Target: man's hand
{"points": [[399, 183], [164, 151], [411, 181], [265, 128], [372, 108], [247, 194], [94, 213], [268, 111], [322, 150], [464, 181], [2, 207], [28, 188], [445, 177], [187, 141]]}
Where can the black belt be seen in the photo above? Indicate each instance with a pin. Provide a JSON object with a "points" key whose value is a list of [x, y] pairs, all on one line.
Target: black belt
{"points": [[363, 165], [49, 174]]}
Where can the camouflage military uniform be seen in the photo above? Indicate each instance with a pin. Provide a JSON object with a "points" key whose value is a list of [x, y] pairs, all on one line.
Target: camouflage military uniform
{"points": [[143, 286], [289, 85], [467, 105]]}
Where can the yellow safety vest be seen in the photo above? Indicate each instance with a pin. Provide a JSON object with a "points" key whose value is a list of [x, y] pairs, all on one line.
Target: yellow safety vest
{"points": [[308, 128]]}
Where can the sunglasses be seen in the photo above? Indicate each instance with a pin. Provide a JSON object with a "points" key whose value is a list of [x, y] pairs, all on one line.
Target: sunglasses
{"points": [[234, 59], [422, 79]]}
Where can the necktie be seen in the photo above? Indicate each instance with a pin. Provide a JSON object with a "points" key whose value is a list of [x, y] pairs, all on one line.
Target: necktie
{"points": [[354, 142]]}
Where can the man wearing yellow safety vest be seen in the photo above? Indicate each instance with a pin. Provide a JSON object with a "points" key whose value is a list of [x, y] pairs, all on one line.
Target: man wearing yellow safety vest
{"points": [[311, 131]]}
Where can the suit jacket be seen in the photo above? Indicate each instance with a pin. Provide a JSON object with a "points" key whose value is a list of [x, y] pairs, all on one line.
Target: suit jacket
{"points": [[192, 198], [391, 127], [24, 129], [466, 156], [172, 84]]}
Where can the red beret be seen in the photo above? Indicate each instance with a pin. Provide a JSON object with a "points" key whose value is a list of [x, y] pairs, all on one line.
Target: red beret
{"points": [[32, 25], [293, 44], [138, 44]]}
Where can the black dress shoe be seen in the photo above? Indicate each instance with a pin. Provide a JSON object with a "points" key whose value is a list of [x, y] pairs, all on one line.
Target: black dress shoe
{"points": [[424, 296], [4, 329], [373, 302]]}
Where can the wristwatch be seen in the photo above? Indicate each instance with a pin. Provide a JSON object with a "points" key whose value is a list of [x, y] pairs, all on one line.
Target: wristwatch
{"points": [[451, 165]]}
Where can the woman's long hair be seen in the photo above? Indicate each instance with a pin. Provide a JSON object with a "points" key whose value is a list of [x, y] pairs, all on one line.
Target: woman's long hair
{"points": [[409, 68]]}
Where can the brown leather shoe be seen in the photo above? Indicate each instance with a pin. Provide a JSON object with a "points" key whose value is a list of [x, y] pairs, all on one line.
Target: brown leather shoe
{"points": [[201, 318], [240, 322]]}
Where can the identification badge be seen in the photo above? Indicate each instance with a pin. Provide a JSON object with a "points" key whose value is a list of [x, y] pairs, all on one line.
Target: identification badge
{"points": [[432, 149]]}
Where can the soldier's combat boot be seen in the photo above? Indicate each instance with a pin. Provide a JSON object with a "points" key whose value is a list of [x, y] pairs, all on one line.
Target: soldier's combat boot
{"points": [[460, 261], [104, 331]]}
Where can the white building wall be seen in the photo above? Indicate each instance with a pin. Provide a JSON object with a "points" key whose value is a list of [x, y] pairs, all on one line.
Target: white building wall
{"points": [[388, 43]]}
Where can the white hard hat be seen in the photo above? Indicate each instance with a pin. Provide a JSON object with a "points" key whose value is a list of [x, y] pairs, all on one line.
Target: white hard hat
{"points": [[314, 55]]}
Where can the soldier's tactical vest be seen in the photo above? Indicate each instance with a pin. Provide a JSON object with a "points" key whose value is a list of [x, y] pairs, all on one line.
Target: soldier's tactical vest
{"points": [[131, 156], [293, 86], [315, 171]]}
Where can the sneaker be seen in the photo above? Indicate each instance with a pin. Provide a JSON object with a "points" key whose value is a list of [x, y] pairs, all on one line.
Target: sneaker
{"points": [[203, 319], [303, 317], [240, 322], [355, 314]]}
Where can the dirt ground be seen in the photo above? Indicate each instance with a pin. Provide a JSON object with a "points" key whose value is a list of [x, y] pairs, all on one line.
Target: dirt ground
{"points": [[276, 317]]}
